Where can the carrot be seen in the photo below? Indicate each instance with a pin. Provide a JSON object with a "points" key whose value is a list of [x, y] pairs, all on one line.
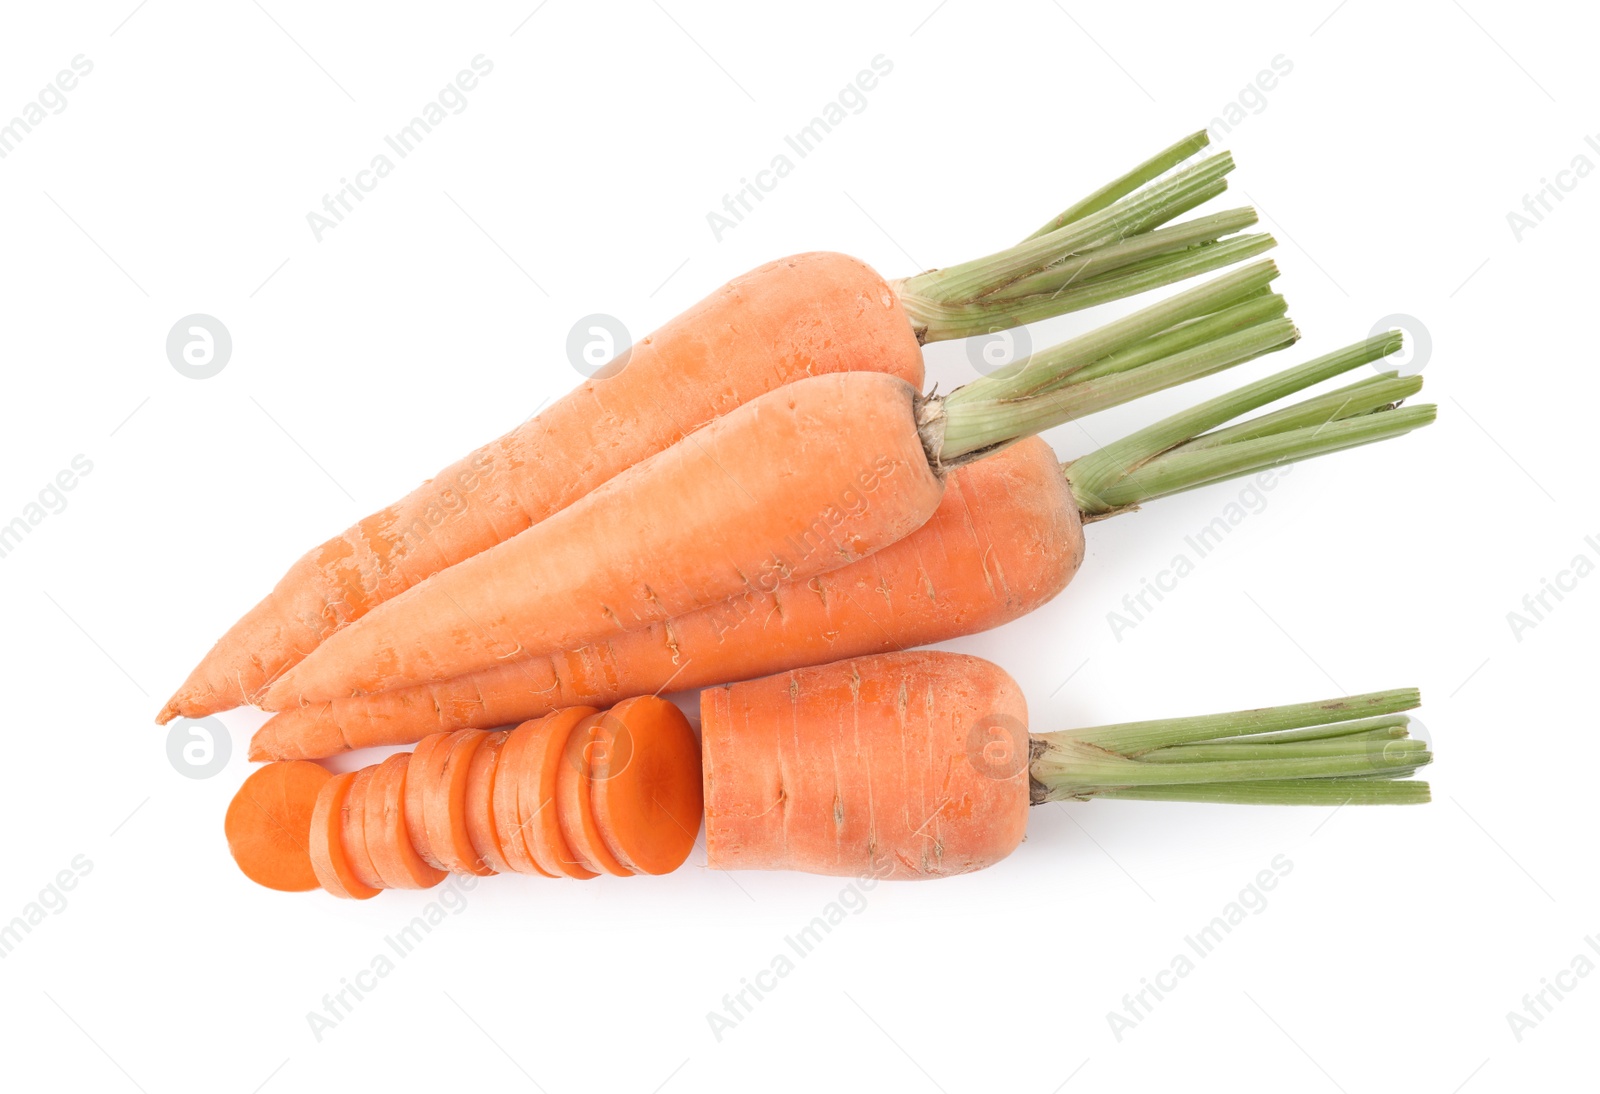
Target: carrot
{"points": [[919, 765], [585, 748], [646, 806], [808, 315], [829, 470], [618, 791], [1006, 537], [508, 804], [388, 840], [537, 783], [444, 802], [481, 829], [332, 865], [268, 825], [353, 830]]}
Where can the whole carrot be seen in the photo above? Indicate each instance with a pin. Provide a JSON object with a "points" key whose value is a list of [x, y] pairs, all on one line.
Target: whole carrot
{"points": [[1005, 538], [920, 765], [808, 315], [794, 484]]}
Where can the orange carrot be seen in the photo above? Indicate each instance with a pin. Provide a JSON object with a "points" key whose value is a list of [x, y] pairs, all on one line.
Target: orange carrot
{"points": [[268, 825], [584, 750], [920, 765], [332, 865], [1005, 538], [808, 315], [646, 809], [481, 830], [427, 760], [828, 470], [508, 813], [444, 802], [538, 782], [388, 839]]}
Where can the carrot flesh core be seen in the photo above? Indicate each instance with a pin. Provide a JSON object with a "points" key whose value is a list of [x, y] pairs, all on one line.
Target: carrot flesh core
{"points": [[445, 804], [646, 790], [900, 765], [328, 859], [585, 749], [268, 824]]}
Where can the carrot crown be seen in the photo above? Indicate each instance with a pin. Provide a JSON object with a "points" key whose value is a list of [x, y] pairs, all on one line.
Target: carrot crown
{"points": [[1352, 751], [1108, 246]]}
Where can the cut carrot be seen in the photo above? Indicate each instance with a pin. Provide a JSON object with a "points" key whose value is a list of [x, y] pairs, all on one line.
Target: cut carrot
{"points": [[920, 764], [541, 768], [423, 766], [393, 854], [445, 803], [328, 859], [510, 821], [355, 830], [587, 745], [480, 804], [647, 797], [268, 825]]}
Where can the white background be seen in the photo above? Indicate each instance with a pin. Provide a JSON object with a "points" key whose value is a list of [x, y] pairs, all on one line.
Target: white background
{"points": [[178, 179]]}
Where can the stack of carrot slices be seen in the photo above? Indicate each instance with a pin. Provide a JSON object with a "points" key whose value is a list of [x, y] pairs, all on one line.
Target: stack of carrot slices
{"points": [[576, 793]]}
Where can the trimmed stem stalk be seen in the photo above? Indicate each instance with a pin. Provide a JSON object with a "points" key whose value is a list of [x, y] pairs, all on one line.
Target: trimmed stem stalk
{"points": [[1329, 753]]}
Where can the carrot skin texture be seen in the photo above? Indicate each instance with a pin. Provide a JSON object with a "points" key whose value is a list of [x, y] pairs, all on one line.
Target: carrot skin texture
{"points": [[863, 767], [333, 869], [807, 315], [793, 484], [1005, 539]]}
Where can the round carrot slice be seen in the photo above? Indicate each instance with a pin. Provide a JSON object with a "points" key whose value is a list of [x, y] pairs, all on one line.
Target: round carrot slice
{"points": [[388, 843], [444, 802], [480, 803], [354, 830], [268, 824], [509, 819], [589, 746], [648, 803], [423, 757], [328, 860], [540, 767]]}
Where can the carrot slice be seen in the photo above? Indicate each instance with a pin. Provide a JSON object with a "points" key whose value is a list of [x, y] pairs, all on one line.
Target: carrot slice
{"points": [[388, 843], [647, 799], [480, 803], [509, 819], [268, 824], [589, 747], [537, 793], [328, 860], [426, 755], [354, 830], [444, 803]]}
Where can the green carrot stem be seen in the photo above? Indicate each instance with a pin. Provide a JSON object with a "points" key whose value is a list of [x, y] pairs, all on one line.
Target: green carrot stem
{"points": [[1152, 168], [1022, 399], [937, 321], [1125, 253], [1113, 238], [1328, 792], [1295, 754], [1177, 454]]}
